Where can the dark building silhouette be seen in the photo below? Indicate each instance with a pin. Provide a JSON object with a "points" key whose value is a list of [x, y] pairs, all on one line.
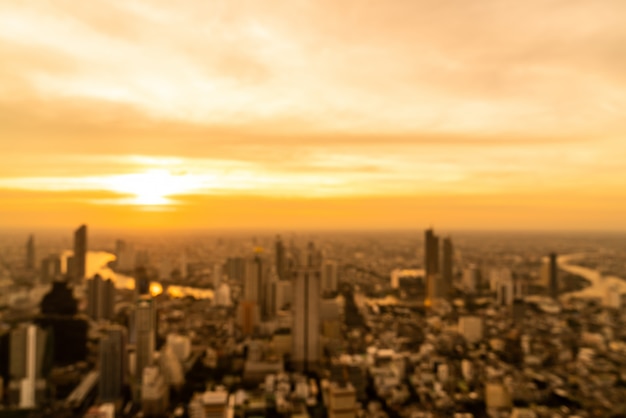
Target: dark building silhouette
{"points": [[447, 268], [554, 280], [142, 281], [431, 265], [59, 301], [79, 260], [68, 337], [30, 253]]}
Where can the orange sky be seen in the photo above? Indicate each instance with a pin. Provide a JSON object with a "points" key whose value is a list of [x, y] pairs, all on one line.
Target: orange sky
{"points": [[317, 114]]}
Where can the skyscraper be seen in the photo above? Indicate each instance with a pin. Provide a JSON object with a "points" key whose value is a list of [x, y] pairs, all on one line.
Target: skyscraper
{"points": [[30, 253], [431, 266], [306, 315], [447, 269], [27, 352], [79, 259], [145, 328], [112, 363], [280, 259], [554, 279], [100, 298]]}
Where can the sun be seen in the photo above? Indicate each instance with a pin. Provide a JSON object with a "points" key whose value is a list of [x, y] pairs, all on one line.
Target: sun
{"points": [[153, 187]]}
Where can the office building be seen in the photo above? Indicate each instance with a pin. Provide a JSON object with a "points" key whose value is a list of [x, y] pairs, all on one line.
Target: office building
{"points": [[100, 298], [30, 253], [142, 282], [79, 259], [112, 363], [281, 262], [447, 273], [28, 344], [145, 335], [431, 266], [554, 279], [306, 315]]}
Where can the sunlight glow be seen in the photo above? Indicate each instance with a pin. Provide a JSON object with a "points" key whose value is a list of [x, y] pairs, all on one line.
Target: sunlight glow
{"points": [[154, 187]]}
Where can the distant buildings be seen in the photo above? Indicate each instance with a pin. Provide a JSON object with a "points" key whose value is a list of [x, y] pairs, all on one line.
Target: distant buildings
{"points": [[306, 315]]}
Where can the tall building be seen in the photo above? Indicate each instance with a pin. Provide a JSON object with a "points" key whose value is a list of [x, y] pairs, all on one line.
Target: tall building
{"points": [[112, 363], [27, 356], [280, 259], [306, 315], [30, 253], [447, 274], [142, 282], [79, 260], [100, 298], [145, 338], [431, 266], [554, 279]]}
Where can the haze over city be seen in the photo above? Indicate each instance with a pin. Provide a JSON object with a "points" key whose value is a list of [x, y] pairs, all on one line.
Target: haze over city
{"points": [[466, 115]]}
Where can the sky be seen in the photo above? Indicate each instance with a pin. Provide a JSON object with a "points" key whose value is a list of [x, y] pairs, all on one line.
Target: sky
{"points": [[491, 114]]}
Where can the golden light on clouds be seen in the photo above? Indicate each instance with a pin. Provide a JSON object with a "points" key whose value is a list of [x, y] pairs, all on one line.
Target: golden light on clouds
{"points": [[314, 113]]}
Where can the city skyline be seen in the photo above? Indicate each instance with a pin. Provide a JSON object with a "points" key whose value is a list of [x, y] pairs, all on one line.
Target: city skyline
{"points": [[496, 115]]}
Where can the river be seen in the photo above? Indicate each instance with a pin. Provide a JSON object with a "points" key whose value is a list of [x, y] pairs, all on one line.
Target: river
{"points": [[600, 285]]}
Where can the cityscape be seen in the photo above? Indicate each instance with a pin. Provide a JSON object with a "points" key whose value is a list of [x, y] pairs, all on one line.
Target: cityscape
{"points": [[323, 324], [313, 208]]}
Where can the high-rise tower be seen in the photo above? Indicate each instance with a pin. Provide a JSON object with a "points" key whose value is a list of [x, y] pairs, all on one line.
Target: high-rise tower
{"points": [[145, 329], [112, 363], [100, 298], [27, 353], [306, 315], [554, 279], [447, 268], [79, 260], [431, 266]]}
